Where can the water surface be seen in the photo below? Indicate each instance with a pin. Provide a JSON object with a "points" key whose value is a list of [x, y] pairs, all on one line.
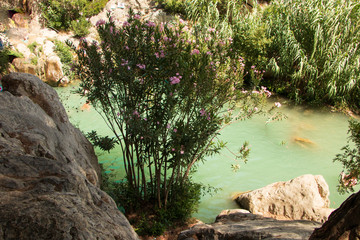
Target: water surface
{"points": [[276, 152]]}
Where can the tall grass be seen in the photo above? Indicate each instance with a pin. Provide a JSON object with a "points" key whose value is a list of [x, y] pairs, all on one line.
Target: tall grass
{"points": [[315, 49], [309, 47]]}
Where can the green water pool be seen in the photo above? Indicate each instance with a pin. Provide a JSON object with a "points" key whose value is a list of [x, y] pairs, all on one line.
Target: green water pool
{"points": [[278, 151]]}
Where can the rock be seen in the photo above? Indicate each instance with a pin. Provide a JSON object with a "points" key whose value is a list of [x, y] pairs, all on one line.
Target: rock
{"points": [[17, 35], [343, 223], [21, 65], [53, 70], [305, 197], [160, 16], [49, 174], [23, 49], [48, 33], [48, 48], [4, 20], [21, 20], [240, 224]]}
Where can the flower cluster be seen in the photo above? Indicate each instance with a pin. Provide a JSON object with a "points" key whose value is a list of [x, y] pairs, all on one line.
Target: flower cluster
{"points": [[175, 79]]}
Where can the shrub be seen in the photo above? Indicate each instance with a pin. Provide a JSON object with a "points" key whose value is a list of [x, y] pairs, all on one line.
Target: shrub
{"points": [[173, 6], [80, 27], [233, 20], [60, 14], [162, 91], [65, 54]]}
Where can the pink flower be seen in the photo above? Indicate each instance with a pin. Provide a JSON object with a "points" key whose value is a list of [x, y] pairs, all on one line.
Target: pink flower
{"points": [[150, 24], [100, 22], [348, 180], [141, 66], [252, 67], [157, 55], [182, 152], [202, 112], [209, 53], [175, 130], [168, 126], [173, 149], [126, 24], [137, 16], [111, 29], [175, 79], [211, 29], [277, 104], [195, 52], [162, 55]]}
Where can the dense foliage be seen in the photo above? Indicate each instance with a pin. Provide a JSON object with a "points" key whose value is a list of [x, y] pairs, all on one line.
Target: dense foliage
{"points": [[65, 54], [315, 49], [310, 49], [165, 92], [71, 14], [350, 158]]}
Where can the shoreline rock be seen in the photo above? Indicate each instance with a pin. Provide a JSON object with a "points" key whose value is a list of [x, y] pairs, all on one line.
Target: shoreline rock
{"points": [[303, 198], [241, 224]]}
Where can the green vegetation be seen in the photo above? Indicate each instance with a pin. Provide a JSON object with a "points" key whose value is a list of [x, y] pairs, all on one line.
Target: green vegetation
{"points": [[162, 91], [71, 14], [315, 49], [65, 54], [33, 46], [4, 61], [173, 6], [80, 27], [310, 49], [350, 159], [34, 60]]}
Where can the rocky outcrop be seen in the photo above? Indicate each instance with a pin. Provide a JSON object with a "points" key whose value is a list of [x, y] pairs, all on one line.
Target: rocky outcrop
{"points": [[22, 66], [49, 175], [53, 70], [343, 223], [240, 224], [305, 197]]}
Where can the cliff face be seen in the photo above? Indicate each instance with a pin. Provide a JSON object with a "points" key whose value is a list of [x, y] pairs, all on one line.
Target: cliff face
{"points": [[49, 184]]}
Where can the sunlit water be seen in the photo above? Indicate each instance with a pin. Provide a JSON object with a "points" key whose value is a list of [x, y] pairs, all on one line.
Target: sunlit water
{"points": [[275, 155]]}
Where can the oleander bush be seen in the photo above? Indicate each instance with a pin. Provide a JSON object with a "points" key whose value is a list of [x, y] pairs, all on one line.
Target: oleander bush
{"points": [[165, 93]]}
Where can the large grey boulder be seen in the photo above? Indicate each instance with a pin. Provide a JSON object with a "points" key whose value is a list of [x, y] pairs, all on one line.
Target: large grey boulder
{"points": [[49, 175], [343, 223], [240, 224], [302, 198]]}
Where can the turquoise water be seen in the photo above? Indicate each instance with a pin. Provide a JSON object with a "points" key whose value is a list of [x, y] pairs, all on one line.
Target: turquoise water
{"points": [[275, 155]]}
